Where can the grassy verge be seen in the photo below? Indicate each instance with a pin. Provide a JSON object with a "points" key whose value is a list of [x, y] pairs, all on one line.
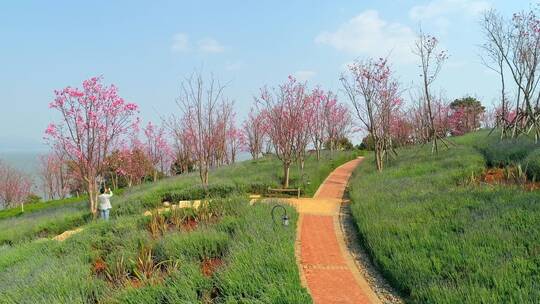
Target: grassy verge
{"points": [[439, 238], [257, 263], [34, 207], [133, 259]]}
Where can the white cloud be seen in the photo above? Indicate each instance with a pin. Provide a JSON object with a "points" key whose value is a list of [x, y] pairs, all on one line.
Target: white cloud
{"points": [[439, 10], [369, 34], [210, 45], [304, 75], [180, 42]]}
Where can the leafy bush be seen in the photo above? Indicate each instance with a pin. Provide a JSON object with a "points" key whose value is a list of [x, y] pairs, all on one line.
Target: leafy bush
{"points": [[532, 163], [228, 224], [508, 152], [183, 286], [259, 187], [198, 192], [198, 244]]}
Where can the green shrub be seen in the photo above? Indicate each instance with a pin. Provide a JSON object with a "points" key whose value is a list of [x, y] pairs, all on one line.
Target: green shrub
{"points": [[200, 244], [532, 163], [508, 152], [228, 224], [259, 187], [198, 192], [185, 285]]}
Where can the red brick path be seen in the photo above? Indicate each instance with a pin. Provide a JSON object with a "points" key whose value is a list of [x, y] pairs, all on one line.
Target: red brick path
{"points": [[329, 272]]}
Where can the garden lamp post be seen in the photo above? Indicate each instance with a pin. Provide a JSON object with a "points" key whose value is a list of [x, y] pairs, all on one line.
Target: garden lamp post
{"points": [[284, 217]]}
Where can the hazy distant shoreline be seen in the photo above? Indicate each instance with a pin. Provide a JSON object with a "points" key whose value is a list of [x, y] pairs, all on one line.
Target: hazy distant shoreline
{"points": [[27, 162]]}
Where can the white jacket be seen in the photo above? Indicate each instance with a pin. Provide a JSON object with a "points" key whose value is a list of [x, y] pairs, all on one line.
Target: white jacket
{"points": [[104, 201]]}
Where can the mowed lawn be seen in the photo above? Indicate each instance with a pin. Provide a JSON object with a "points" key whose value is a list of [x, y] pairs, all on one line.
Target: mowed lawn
{"points": [[441, 236], [234, 253]]}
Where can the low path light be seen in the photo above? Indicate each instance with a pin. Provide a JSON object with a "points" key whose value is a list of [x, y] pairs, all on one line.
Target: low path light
{"points": [[284, 217]]}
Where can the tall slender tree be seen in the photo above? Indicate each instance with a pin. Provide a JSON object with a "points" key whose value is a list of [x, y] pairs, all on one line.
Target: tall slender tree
{"points": [[93, 122], [375, 96], [431, 62], [283, 115]]}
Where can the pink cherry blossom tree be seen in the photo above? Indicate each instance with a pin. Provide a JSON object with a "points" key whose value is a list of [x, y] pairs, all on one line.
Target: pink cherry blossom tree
{"points": [[157, 149], [253, 130], [318, 101], [234, 141], [15, 186], [303, 133], [54, 175], [337, 121], [184, 158], [375, 96], [134, 164], [93, 121], [282, 109], [202, 119]]}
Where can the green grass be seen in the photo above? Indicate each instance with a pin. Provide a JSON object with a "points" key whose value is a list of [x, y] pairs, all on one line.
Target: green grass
{"points": [[258, 256], [259, 264], [34, 207], [45, 219], [45, 222], [439, 238]]}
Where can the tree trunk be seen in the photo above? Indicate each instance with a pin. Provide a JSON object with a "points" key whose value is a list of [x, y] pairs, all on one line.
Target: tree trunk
{"points": [[155, 175], [378, 156], [286, 168], [92, 195], [203, 173]]}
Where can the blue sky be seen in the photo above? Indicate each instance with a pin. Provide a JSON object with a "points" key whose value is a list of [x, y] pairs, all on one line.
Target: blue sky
{"points": [[147, 47]]}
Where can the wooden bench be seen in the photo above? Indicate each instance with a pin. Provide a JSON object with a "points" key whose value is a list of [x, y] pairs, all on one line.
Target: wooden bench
{"points": [[278, 190]]}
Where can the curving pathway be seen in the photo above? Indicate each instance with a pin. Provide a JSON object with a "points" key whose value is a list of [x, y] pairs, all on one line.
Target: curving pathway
{"points": [[326, 266]]}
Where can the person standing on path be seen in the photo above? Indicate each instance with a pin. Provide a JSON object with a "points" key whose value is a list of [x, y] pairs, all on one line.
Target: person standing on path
{"points": [[105, 203]]}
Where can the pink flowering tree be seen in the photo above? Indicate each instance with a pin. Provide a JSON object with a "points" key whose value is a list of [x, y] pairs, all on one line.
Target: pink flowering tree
{"points": [[303, 133], [234, 141], [158, 150], [375, 96], [282, 109], [134, 164], [54, 175], [94, 119], [338, 121], [202, 119], [15, 186], [253, 130], [184, 159], [318, 100]]}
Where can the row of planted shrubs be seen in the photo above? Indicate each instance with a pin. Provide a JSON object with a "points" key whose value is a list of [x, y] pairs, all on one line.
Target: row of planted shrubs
{"points": [[523, 152], [213, 190]]}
